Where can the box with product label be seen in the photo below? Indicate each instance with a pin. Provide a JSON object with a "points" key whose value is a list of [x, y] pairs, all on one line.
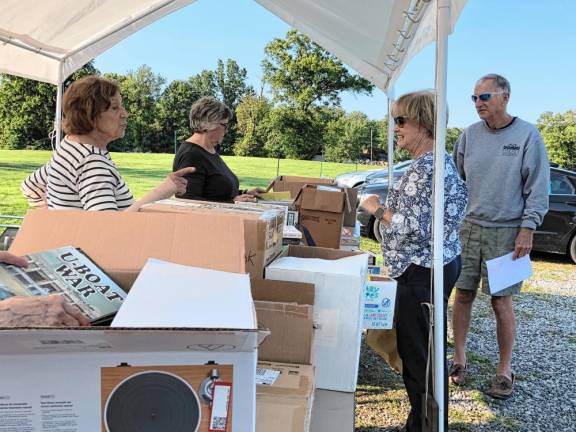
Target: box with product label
{"points": [[173, 346], [321, 210], [379, 302], [121, 242], [284, 397], [339, 278], [293, 184], [263, 225]]}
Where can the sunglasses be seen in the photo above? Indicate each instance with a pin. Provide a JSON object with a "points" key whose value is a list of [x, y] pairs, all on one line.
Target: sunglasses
{"points": [[484, 97], [400, 121]]}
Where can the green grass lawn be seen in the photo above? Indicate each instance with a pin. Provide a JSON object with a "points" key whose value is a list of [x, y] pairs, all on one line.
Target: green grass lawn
{"points": [[143, 171]]}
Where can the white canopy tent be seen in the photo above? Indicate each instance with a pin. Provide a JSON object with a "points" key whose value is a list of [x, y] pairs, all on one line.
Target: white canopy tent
{"points": [[48, 41]]}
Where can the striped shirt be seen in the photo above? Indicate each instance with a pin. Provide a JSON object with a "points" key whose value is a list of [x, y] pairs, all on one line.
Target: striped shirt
{"points": [[79, 176]]}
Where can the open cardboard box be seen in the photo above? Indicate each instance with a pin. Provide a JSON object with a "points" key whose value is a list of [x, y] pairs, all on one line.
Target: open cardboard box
{"points": [[339, 278], [121, 242], [322, 214], [59, 376], [293, 184], [263, 225], [285, 376]]}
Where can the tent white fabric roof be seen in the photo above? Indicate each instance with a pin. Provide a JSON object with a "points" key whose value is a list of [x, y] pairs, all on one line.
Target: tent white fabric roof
{"points": [[374, 37]]}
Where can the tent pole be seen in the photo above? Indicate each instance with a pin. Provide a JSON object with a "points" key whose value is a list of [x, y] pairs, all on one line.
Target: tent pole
{"points": [[58, 117], [391, 98], [442, 30]]}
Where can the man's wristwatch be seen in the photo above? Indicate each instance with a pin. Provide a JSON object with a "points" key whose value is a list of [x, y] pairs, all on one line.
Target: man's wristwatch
{"points": [[379, 213]]}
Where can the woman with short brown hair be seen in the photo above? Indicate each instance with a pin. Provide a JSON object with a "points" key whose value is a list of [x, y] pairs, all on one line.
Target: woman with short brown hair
{"points": [[81, 174]]}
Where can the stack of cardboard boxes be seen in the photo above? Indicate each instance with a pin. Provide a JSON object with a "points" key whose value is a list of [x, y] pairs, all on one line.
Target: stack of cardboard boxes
{"points": [[312, 314]]}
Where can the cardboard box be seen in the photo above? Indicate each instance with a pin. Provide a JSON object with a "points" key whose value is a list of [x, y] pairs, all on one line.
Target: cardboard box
{"points": [[121, 242], [321, 213], [293, 184], [339, 278], [65, 374], [286, 310], [284, 404], [350, 210], [263, 225]]}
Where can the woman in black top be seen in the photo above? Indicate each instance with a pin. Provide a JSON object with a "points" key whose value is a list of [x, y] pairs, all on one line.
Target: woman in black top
{"points": [[212, 180]]}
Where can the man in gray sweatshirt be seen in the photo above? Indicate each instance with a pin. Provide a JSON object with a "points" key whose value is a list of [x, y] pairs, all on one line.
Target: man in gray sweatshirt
{"points": [[503, 161]]}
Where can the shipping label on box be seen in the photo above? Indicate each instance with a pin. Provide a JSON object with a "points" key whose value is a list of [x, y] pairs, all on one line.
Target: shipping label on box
{"points": [[379, 301]]}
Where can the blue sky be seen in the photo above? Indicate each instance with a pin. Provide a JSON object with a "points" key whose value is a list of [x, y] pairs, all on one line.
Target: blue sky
{"points": [[531, 42]]}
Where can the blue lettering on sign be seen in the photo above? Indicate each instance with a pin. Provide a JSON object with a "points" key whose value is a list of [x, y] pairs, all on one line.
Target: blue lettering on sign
{"points": [[371, 305]]}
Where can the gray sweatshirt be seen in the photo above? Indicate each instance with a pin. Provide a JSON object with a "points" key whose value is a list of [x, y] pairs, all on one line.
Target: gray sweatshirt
{"points": [[507, 173]]}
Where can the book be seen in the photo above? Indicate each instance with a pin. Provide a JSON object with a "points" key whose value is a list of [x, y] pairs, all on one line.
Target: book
{"points": [[69, 272]]}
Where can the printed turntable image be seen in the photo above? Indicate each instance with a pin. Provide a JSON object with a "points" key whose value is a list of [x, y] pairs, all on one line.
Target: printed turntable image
{"points": [[167, 398]]}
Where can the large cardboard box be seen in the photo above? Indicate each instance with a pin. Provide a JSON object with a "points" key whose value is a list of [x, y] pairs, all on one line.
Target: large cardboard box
{"points": [[263, 225], [72, 379], [286, 310], [339, 278], [322, 213], [284, 402], [293, 184], [121, 242]]}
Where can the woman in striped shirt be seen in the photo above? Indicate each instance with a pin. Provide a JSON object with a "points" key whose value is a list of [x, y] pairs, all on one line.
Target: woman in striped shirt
{"points": [[81, 174]]}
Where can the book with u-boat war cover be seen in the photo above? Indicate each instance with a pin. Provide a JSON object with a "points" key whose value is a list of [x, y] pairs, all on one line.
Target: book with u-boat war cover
{"points": [[69, 272]]}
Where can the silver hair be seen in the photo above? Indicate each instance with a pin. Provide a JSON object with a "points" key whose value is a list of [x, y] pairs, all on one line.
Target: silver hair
{"points": [[206, 113], [500, 82]]}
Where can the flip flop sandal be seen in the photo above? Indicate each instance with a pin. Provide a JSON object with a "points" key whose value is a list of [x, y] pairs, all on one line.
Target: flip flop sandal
{"points": [[457, 374], [502, 387]]}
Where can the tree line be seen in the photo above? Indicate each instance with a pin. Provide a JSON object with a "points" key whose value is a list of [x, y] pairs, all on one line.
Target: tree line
{"points": [[300, 118]]}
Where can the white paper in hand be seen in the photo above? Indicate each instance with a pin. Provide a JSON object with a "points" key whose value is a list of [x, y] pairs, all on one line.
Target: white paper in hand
{"points": [[504, 271]]}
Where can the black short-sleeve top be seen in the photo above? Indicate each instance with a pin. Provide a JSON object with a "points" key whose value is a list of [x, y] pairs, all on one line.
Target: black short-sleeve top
{"points": [[212, 180]]}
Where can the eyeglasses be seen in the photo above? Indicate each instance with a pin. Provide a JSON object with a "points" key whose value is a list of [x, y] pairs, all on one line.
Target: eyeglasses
{"points": [[484, 97], [400, 121]]}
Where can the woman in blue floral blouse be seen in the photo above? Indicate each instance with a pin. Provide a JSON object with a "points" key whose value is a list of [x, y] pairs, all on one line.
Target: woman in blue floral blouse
{"points": [[407, 241]]}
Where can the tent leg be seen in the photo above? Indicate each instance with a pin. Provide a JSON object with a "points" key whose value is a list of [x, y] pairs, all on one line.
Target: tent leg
{"points": [[442, 29], [391, 98], [58, 116]]}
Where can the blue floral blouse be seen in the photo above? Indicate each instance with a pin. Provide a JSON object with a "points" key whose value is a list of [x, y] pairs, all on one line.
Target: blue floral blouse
{"points": [[408, 238]]}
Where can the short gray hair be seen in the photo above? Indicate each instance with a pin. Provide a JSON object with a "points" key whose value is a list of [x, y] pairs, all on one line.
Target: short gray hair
{"points": [[206, 113], [500, 82]]}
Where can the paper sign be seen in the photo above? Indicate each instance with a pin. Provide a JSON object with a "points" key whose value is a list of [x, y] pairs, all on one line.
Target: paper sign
{"points": [[379, 301], [504, 272], [266, 376]]}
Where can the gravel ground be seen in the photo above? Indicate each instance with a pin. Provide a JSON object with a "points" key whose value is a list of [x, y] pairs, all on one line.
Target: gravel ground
{"points": [[544, 363]]}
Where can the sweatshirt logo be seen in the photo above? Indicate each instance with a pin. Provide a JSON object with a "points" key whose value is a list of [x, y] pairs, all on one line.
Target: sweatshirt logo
{"points": [[511, 150]]}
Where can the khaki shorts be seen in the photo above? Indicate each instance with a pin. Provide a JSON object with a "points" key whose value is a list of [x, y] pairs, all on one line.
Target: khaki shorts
{"points": [[480, 244]]}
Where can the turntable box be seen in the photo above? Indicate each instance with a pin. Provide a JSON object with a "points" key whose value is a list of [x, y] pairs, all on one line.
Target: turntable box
{"points": [[121, 242], [284, 397], [339, 278], [293, 184], [263, 226], [286, 310], [57, 373]]}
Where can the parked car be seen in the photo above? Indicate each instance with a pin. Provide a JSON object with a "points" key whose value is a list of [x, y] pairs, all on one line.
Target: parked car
{"points": [[382, 175], [557, 234], [357, 178]]}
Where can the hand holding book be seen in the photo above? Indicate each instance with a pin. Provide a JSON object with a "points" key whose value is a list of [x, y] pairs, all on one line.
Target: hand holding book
{"points": [[84, 293], [49, 311]]}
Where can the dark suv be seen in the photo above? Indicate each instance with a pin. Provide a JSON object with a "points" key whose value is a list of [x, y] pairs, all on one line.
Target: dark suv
{"points": [[557, 234]]}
